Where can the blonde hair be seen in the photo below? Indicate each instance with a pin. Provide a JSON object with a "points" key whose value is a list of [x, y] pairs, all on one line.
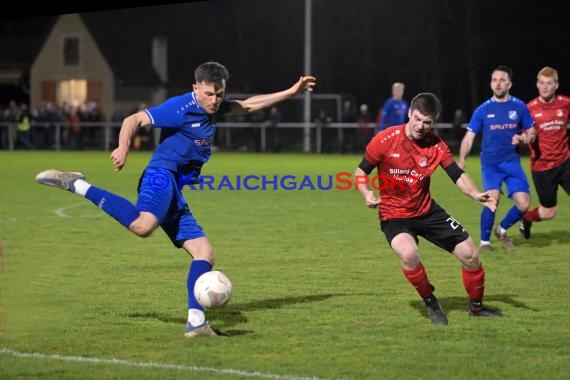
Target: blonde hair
{"points": [[548, 72]]}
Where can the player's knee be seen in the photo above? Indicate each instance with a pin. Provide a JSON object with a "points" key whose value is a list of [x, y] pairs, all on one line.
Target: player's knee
{"points": [[207, 255], [200, 249], [522, 201], [467, 254], [548, 213], [142, 228], [410, 258], [144, 225], [471, 260], [142, 231]]}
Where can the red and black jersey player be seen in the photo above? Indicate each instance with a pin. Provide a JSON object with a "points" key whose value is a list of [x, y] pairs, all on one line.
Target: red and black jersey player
{"points": [[549, 152], [409, 154]]}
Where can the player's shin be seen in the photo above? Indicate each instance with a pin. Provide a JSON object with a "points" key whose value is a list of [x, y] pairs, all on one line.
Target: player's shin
{"points": [[512, 216], [118, 207], [474, 282], [532, 215], [487, 221], [195, 310], [418, 278]]}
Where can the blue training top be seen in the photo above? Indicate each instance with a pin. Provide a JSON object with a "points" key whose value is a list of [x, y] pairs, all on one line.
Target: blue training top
{"points": [[499, 122], [187, 134], [394, 112]]}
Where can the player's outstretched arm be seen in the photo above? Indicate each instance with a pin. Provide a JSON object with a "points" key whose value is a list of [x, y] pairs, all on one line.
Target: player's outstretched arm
{"points": [[258, 102], [468, 187], [128, 129]]}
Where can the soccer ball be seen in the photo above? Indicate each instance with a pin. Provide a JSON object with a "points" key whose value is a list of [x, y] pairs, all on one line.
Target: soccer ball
{"points": [[213, 289]]}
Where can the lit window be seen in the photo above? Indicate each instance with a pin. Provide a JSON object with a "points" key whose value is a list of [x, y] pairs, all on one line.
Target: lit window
{"points": [[72, 92]]}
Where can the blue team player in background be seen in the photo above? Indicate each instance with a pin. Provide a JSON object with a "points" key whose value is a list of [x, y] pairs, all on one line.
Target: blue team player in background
{"points": [[500, 119], [395, 109], [187, 123]]}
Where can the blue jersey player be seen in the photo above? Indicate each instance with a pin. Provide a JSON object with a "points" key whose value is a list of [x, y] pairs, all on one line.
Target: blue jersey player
{"points": [[187, 123], [395, 109], [500, 120]]}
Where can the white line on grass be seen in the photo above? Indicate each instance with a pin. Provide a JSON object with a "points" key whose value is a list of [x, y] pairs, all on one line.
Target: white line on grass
{"points": [[83, 359], [61, 211]]}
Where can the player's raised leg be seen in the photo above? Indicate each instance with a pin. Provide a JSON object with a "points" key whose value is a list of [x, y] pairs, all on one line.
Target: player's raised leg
{"points": [[118, 207]]}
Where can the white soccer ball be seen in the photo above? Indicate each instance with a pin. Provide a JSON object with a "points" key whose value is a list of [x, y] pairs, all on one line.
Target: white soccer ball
{"points": [[213, 289]]}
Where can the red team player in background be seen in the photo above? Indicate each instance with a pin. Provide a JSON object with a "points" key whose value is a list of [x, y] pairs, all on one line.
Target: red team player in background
{"points": [[549, 152], [410, 153]]}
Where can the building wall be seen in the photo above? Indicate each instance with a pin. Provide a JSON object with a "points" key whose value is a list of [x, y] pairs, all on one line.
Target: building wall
{"points": [[49, 66]]}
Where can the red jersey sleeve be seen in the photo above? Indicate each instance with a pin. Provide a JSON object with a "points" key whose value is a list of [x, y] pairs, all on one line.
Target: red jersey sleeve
{"points": [[373, 152], [447, 158], [378, 146]]}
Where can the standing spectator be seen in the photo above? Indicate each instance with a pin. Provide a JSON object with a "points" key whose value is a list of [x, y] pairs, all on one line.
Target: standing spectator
{"points": [[395, 109], [364, 132], [407, 210], [322, 124], [273, 120], [90, 118], [549, 153], [348, 134], [5, 129], [74, 128], [499, 119], [48, 118], [11, 115], [23, 128], [348, 113]]}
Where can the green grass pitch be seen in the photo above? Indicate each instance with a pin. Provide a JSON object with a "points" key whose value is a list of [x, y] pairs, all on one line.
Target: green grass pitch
{"points": [[317, 291]]}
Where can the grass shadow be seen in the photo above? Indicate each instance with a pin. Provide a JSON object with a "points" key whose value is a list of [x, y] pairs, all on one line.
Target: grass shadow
{"points": [[461, 303], [233, 313], [543, 239]]}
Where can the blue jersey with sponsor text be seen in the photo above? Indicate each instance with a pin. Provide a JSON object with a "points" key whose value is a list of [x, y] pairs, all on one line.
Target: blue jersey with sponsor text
{"points": [[187, 133], [499, 122]]}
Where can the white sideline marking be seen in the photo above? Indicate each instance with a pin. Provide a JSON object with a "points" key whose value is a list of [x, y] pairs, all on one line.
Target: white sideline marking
{"points": [[61, 211], [83, 359]]}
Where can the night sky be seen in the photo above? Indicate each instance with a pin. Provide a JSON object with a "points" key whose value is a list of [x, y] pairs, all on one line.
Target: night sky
{"points": [[359, 46]]}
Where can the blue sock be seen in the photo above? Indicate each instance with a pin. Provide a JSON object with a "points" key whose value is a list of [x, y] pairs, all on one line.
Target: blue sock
{"points": [[513, 216], [118, 207], [487, 220], [197, 268]]}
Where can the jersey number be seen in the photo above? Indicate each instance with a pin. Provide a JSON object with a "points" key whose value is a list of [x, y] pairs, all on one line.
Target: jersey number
{"points": [[454, 223]]}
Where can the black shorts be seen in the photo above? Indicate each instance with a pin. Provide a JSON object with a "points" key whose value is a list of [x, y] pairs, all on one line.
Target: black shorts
{"points": [[546, 184], [436, 226]]}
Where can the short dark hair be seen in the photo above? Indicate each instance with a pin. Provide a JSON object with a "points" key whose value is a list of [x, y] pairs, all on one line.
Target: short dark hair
{"points": [[211, 72], [427, 104], [505, 69]]}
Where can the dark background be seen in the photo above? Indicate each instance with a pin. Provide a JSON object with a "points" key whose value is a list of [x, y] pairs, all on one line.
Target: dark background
{"points": [[359, 46]]}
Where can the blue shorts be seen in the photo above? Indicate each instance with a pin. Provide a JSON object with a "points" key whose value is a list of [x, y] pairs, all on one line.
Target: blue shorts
{"points": [[511, 173], [159, 195]]}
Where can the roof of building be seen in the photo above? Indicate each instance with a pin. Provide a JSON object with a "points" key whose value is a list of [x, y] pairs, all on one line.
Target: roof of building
{"points": [[129, 58]]}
